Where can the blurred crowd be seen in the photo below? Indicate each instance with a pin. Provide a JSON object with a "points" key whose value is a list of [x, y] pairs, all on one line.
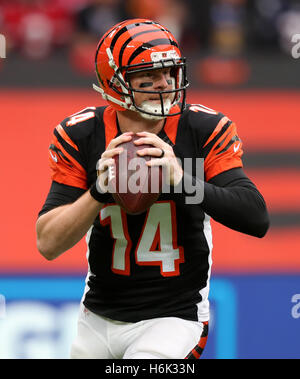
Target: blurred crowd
{"points": [[38, 29]]}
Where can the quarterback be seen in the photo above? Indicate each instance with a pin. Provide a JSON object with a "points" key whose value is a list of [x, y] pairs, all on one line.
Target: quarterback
{"points": [[147, 286]]}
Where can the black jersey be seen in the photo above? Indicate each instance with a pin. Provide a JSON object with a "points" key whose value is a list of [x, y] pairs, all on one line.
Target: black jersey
{"points": [[158, 263]]}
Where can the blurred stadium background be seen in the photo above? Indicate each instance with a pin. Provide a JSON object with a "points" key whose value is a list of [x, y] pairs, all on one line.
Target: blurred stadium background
{"points": [[243, 61]]}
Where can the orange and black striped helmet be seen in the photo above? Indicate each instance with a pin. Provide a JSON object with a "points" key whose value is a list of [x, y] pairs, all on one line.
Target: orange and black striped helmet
{"points": [[133, 46]]}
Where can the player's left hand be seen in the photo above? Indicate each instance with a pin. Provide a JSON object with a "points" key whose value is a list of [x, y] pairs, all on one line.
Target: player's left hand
{"points": [[163, 155]]}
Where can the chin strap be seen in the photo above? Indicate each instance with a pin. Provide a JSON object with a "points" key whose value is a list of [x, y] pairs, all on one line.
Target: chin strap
{"points": [[100, 90], [150, 108], [112, 99]]}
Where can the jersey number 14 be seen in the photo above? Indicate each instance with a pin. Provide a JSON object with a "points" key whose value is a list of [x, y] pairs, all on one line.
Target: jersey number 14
{"points": [[157, 244]]}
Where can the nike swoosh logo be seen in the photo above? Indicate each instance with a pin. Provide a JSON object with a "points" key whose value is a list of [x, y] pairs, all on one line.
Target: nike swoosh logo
{"points": [[53, 156], [236, 147]]}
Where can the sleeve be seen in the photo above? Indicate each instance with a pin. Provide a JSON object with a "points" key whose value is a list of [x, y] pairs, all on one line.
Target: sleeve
{"points": [[60, 194], [232, 199], [222, 149], [66, 161]]}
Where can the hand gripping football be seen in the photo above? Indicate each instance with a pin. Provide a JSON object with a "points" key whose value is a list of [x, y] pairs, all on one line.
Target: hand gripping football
{"points": [[134, 185]]}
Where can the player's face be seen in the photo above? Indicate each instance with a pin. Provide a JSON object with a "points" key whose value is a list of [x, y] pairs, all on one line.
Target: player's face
{"points": [[152, 80]]}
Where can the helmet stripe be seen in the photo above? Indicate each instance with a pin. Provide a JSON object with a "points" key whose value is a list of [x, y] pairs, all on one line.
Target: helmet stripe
{"points": [[120, 32], [106, 35], [100, 44], [149, 44], [125, 29], [131, 38]]}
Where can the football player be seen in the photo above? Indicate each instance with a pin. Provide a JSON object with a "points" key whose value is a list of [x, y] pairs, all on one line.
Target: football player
{"points": [[147, 286]]}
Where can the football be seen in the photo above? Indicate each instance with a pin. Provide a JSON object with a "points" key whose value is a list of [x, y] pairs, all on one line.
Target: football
{"points": [[134, 185]]}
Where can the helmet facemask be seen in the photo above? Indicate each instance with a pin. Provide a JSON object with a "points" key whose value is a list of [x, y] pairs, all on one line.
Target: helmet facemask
{"points": [[162, 109]]}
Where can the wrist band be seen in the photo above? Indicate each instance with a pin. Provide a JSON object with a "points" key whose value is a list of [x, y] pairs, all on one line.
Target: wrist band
{"points": [[99, 196]]}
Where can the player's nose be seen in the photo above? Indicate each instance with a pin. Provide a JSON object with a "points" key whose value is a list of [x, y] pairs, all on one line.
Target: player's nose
{"points": [[161, 81]]}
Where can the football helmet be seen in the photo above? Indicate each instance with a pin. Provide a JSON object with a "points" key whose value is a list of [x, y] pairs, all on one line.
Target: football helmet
{"points": [[138, 45]]}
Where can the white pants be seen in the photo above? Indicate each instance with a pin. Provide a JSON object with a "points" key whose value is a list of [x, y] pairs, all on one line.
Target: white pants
{"points": [[159, 338]]}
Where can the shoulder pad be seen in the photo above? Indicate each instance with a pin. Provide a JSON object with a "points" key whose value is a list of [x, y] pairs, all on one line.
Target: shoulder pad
{"points": [[202, 118], [82, 123]]}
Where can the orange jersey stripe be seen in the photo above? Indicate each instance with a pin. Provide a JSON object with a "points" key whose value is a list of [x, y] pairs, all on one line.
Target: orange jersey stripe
{"points": [[220, 125], [111, 129], [171, 125], [69, 173], [64, 135], [218, 161], [221, 142]]}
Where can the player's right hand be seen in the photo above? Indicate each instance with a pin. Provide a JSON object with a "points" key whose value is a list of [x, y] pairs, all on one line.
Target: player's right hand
{"points": [[107, 160]]}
